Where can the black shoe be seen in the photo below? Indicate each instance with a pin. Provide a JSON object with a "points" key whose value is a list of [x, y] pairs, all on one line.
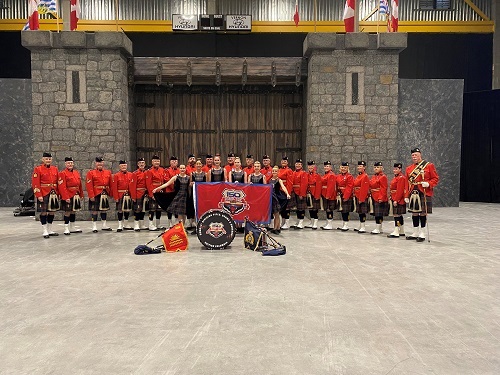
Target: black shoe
{"points": [[193, 233], [411, 238], [94, 231], [392, 236], [420, 239], [45, 236], [356, 229], [107, 229], [402, 235], [118, 230], [76, 231], [66, 234], [53, 234], [128, 228]]}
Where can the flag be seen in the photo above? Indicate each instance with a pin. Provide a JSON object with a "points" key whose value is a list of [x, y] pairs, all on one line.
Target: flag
{"points": [[175, 239], [238, 200], [296, 17], [33, 23], [383, 7], [349, 16], [37, 7], [75, 14], [395, 15]]}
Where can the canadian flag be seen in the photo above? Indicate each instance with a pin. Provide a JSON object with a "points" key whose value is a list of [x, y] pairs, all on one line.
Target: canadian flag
{"points": [[34, 23], [75, 14], [296, 18], [394, 15], [349, 16]]}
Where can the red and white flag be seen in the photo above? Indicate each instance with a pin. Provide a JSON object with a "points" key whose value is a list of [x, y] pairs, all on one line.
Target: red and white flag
{"points": [[349, 16], [394, 15], [296, 17], [33, 21], [75, 14]]}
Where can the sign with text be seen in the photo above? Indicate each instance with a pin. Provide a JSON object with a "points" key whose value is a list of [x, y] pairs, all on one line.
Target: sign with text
{"points": [[182, 22], [238, 22]]}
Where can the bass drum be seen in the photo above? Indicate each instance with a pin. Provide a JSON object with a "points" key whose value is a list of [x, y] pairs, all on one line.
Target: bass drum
{"points": [[216, 229]]}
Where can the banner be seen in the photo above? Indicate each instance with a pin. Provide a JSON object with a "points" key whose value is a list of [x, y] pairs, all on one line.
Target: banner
{"points": [[175, 239], [238, 200]]}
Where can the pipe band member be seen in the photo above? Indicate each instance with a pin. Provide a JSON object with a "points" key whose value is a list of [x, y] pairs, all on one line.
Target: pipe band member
{"points": [[98, 184], [345, 184], [71, 190]]}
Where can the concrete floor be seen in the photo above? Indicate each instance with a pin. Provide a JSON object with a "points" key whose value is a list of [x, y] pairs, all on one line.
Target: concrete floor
{"points": [[337, 303]]}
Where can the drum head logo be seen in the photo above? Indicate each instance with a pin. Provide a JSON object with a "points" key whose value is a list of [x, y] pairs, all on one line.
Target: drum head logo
{"points": [[233, 201], [216, 230]]}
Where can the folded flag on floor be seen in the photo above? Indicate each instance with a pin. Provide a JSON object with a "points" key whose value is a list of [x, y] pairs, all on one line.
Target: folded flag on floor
{"points": [[175, 239]]}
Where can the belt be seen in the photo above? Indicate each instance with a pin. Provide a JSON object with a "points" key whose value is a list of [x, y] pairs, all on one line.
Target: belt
{"points": [[48, 185], [141, 188], [393, 191], [102, 187], [312, 185], [378, 189], [296, 185], [122, 191], [342, 187], [156, 183], [73, 187], [324, 187]]}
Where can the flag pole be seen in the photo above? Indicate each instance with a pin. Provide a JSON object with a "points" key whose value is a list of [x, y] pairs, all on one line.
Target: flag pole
{"points": [[116, 14], [58, 12], [378, 15]]}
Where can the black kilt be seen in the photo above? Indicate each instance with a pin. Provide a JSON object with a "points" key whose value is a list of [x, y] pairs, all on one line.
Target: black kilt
{"points": [[42, 206], [316, 205], [179, 204], [68, 207], [380, 209], [139, 204], [94, 206], [423, 203], [297, 202], [361, 207], [153, 205], [329, 205]]}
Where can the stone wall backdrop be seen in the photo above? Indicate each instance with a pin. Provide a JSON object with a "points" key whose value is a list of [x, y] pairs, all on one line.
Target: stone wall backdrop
{"points": [[430, 117], [16, 141], [80, 96], [352, 97]]}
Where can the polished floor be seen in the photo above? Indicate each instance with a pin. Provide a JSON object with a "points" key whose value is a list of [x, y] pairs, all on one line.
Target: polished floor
{"points": [[336, 303]]}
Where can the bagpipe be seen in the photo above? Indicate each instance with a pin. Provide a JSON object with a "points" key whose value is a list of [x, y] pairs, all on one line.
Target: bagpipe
{"points": [[258, 239], [173, 239]]}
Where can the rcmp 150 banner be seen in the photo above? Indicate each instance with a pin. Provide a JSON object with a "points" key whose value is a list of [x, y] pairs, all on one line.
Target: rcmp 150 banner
{"points": [[238, 200]]}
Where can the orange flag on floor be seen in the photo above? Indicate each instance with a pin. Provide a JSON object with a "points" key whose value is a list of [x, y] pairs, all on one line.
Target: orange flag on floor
{"points": [[175, 239]]}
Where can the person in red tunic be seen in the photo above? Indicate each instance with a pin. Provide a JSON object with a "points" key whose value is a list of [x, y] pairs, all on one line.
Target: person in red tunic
{"points": [[121, 194], [422, 179], [345, 184], [285, 174], [190, 166], [154, 178], [298, 193], [398, 188], [138, 193], [378, 192], [209, 163], [98, 184], [249, 165], [266, 169], [329, 193], [361, 192], [170, 172], [314, 186], [43, 183], [71, 190], [230, 163]]}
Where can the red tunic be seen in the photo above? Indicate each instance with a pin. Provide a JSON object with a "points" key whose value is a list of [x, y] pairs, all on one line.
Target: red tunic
{"points": [[167, 175], [70, 184], [268, 172], [249, 170], [228, 168], [286, 174], [430, 175], [299, 183], [206, 168], [44, 180], [361, 186], [345, 183], [190, 169], [97, 181], [154, 178], [378, 187], [399, 187], [121, 184], [315, 184], [138, 184], [329, 186]]}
